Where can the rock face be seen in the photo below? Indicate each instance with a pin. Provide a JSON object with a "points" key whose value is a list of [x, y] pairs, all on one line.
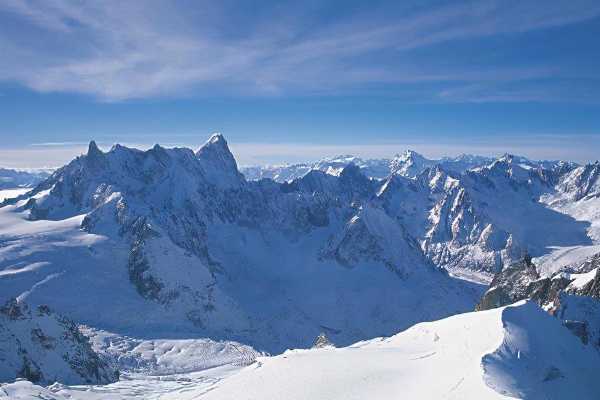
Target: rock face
{"points": [[570, 296], [322, 341], [517, 282], [582, 182], [522, 281], [44, 348]]}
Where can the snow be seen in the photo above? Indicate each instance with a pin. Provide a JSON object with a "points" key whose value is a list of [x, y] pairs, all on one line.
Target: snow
{"points": [[233, 260], [131, 387], [517, 351], [585, 210], [11, 193], [580, 280], [11, 178], [274, 265], [151, 369]]}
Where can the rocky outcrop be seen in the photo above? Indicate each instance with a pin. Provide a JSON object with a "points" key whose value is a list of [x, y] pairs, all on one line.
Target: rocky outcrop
{"points": [[570, 296], [582, 182], [322, 341], [43, 347], [517, 282]]}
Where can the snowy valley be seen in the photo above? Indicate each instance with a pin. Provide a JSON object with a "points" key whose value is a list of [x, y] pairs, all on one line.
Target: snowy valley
{"points": [[173, 274]]}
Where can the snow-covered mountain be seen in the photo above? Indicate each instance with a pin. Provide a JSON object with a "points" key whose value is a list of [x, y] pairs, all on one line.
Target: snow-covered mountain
{"points": [[43, 347], [473, 215], [182, 244], [409, 164], [373, 168], [170, 244], [12, 179]]}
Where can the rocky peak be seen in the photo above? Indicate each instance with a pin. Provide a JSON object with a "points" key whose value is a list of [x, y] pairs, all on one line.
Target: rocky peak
{"points": [[218, 162], [322, 341], [409, 164], [352, 174], [216, 145], [409, 157], [93, 149], [95, 157], [585, 181]]}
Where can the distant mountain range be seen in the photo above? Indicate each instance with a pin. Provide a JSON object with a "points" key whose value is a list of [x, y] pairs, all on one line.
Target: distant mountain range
{"points": [[11, 178], [408, 164]]}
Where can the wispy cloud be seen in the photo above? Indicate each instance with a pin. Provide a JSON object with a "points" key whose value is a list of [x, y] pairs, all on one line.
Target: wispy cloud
{"points": [[118, 50], [58, 144]]}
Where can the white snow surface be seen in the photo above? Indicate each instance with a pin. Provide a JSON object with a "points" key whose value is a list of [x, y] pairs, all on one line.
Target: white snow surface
{"points": [[517, 351], [513, 352], [11, 193], [578, 196]]}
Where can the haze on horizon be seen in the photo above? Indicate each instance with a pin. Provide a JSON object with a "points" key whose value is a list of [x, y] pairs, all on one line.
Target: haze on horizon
{"points": [[288, 82]]}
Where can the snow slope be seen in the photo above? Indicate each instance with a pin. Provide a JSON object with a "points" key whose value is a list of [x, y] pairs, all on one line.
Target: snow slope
{"points": [[150, 369], [513, 352], [578, 196], [11, 193], [518, 351]]}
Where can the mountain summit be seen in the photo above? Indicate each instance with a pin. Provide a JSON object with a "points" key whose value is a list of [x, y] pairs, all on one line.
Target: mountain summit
{"points": [[218, 163]]}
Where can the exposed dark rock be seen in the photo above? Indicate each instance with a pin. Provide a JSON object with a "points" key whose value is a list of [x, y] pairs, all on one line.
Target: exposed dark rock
{"points": [[579, 329], [517, 282], [31, 344], [322, 341]]}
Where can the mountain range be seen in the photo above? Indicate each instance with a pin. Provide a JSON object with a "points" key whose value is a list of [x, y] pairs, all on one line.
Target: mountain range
{"points": [[408, 164], [170, 244], [12, 179]]}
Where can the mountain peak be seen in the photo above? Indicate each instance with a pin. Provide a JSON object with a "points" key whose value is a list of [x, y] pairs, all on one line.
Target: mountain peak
{"points": [[507, 157], [216, 142], [95, 157], [350, 169], [409, 154], [217, 160], [93, 149], [217, 138], [409, 163]]}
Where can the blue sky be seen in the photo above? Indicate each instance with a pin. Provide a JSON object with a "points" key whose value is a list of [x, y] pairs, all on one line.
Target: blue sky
{"points": [[300, 80]]}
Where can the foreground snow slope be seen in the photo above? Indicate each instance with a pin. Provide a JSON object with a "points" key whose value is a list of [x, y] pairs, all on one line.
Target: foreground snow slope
{"points": [[517, 351]]}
